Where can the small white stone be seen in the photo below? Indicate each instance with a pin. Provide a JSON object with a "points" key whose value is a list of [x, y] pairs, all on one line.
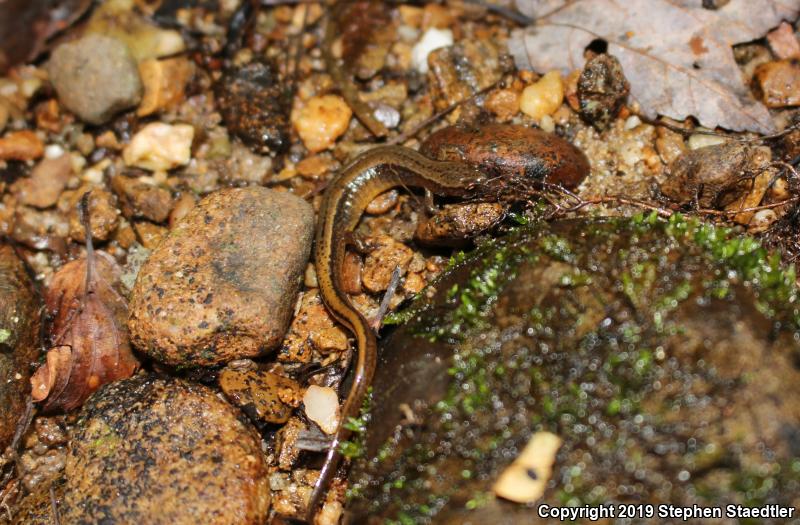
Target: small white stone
{"points": [[543, 97], [631, 122], [432, 40], [94, 174], [407, 33], [159, 146], [322, 407], [762, 220], [53, 151], [701, 140], [547, 124]]}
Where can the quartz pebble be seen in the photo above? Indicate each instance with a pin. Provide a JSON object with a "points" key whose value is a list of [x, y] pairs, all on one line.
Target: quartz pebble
{"points": [[431, 40], [164, 82], [322, 407], [321, 121], [159, 146], [543, 97]]}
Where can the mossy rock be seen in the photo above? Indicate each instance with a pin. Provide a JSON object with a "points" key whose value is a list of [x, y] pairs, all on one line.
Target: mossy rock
{"points": [[663, 353]]}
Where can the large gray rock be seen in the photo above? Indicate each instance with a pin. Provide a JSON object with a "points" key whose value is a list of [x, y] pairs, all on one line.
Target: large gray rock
{"points": [[222, 285], [18, 340], [163, 451], [95, 77], [663, 355]]}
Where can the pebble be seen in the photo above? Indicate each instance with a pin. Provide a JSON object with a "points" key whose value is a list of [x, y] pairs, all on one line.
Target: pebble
{"points": [[508, 151], [316, 166], [252, 103], [164, 82], [383, 203], [778, 83], [712, 176], [259, 393], [351, 273], [762, 220], [602, 90], [431, 40], [382, 261], [459, 71], [222, 284], [543, 97], [21, 145], [455, 224], [163, 451], [704, 140], [243, 167], [95, 77], [149, 234], [141, 199], [182, 206], [102, 210], [669, 144], [122, 19], [18, 340], [436, 16], [40, 229], [410, 15], [312, 329], [504, 103], [322, 407], [160, 147], [286, 442], [321, 121], [46, 182]]}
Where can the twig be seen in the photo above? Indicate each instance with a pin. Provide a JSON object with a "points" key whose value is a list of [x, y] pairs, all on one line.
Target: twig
{"points": [[507, 12], [387, 298], [23, 424], [54, 506]]}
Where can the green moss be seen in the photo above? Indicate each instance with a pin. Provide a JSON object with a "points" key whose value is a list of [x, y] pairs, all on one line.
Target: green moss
{"points": [[578, 383], [354, 448], [5, 335]]}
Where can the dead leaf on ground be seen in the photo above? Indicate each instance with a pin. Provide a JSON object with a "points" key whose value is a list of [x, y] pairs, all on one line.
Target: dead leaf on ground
{"points": [[89, 342], [676, 54], [25, 27]]}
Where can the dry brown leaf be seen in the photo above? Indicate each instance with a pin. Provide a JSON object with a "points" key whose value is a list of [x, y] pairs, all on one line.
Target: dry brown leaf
{"points": [[26, 27], [676, 54], [88, 335]]}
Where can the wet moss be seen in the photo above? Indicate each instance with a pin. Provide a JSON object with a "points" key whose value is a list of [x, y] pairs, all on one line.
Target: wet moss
{"points": [[621, 336]]}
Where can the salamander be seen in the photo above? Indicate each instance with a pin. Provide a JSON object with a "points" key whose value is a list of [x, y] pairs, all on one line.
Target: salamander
{"points": [[471, 163], [372, 173]]}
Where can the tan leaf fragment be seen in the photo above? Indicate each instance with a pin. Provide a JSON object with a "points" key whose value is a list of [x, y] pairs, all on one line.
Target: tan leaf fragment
{"points": [[676, 55], [89, 341]]}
